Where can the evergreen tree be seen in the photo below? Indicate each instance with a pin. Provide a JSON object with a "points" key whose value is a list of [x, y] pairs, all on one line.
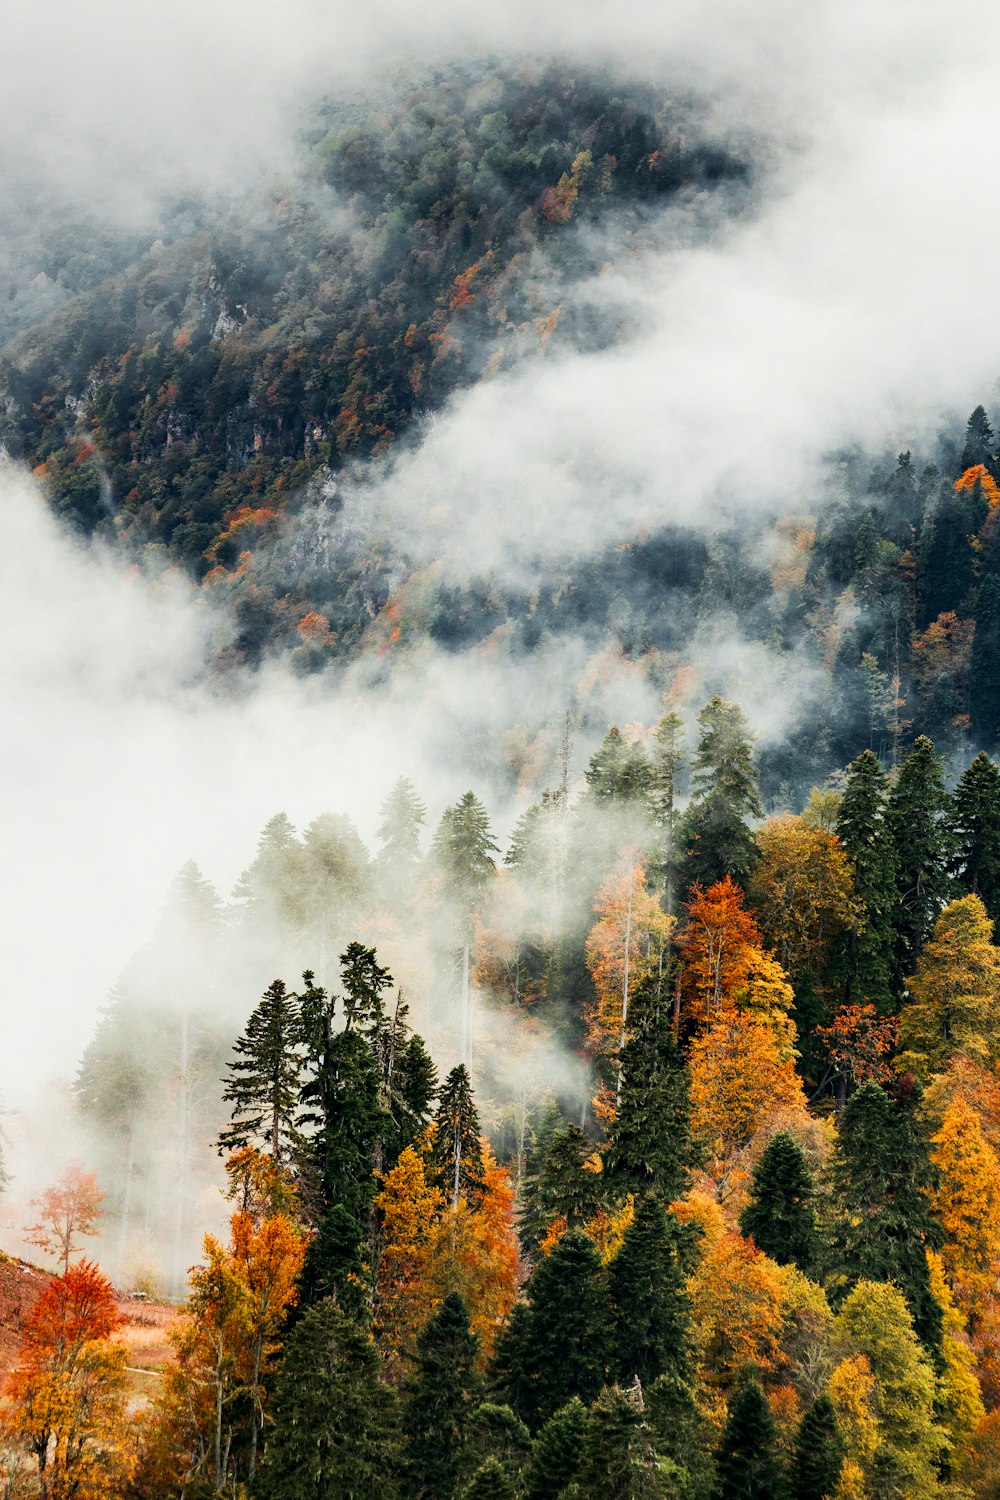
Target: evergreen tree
{"points": [[439, 1403], [619, 1460], [490, 1482], [271, 888], [862, 829], [458, 1152], [780, 1216], [979, 442], [556, 1452], [334, 1265], [883, 1227], [683, 1435], [553, 1346], [264, 1084], [819, 1453], [333, 1433], [651, 1310], [364, 981], [668, 763], [562, 1187], [724, 784], [917, 803], [747, 1462], [463, 850], [946, 553], [619, 771], [974, 832], [984, 666], [403, 816], [496, 1432], [650, 1140]]}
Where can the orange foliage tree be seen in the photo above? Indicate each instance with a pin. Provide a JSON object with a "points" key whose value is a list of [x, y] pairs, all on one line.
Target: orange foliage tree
{"points": [[966, 1202], [741, 1074], [67, 1210], [724, 961], [802, 893], [65, 1404]]}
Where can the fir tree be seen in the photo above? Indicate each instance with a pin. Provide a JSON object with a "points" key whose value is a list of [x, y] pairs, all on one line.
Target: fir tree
{"points": [[650, 1140], [780, 1216], [490, 1482], [403, 816], [863, 832], [668, 763], [747, 1463], [974, 830], [819, 1453], [553, 1346], [984, 666], [264, 1084], [883, 1227], [561, 1187], [458, 1153], [271, 888], [724, 784], [556, 1452], [463, 851], [683, 1434], [979, 442], [946, 554], [333, 1433], [334, 1266], [619, 771], [916, 806], [619, 1460], [496, 1432], [651, 1310], [439, 1403]]}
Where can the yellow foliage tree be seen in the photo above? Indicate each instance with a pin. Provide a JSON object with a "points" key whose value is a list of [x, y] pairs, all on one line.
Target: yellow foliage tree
{"points": [[741, 1073], [966, 1202], [960, 1400], [802, 893], [956, 993], [408, 1207], [738, 1299]]}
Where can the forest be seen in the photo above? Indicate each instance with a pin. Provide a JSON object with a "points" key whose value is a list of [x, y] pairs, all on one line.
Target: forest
{"points": [[642, 1146]]}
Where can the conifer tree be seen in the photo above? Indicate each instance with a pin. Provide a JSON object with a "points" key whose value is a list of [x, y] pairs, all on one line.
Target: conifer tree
{"points": [[334, 1432], [882, 1177], [683, 1434], [264, 1084], [946, 554], [979, 442], [553, 1346], [974, 831], [747, 1462], [917, 803], [780, 1217], [650, 1140], [561, 1187], [441, 1398], [496, 1432], [458, 1153], [862, 829], [463, 850], [984, 666], [490, 1482], [717, 838], [650, 1332], [556, 1452], [272, 886], [619, 1460], [334, 1266], [619, 772], [668, 763], [403, 816], [819, 1453]]}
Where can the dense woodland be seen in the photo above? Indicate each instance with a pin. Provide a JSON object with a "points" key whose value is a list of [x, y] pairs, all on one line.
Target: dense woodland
{"points": [[657, 1154]]}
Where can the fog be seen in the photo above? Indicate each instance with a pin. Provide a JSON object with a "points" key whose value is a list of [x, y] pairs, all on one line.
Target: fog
{"points": [[845, 301]]}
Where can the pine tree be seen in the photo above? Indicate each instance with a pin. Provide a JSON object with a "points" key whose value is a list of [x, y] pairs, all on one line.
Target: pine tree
{"points": [[724, 785], [650, 1141], [439, 1403], [651, 1310], [984, 666], [333, 1433], [458, 1153], [780, 1217], [553, 1346], [264, 1084], [619, 1460], [819, 1453], [882, 1177], [974, 831], [747, 1462], [863, 831], [915, 817], [556, 1453]]}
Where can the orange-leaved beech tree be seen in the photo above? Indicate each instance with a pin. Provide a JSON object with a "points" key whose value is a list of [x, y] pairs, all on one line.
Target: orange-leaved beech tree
{"points": [[66, 1211], [65, 1403], [627, 946], [723, 958]]}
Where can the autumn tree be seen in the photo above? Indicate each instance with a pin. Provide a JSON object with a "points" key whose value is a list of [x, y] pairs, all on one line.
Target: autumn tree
{"points": [[724, 798], [857, 1046], [742, 1072], [956, 993], [66, 1211], [966, 1203], [66, 1401], [801, 892], [408, 1206]]}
